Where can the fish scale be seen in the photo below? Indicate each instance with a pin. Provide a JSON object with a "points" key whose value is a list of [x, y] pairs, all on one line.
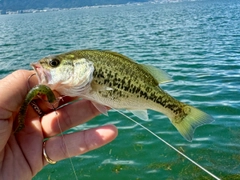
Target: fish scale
{"points": [[111, 79]]}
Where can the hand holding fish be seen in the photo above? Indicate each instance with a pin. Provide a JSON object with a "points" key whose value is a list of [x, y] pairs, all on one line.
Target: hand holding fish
{"points": [[21, 152], [101, 79]]}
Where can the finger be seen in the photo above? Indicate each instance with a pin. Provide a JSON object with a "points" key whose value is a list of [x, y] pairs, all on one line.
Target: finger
{"points": [[13, 89], [67, 117], [59, 148]]}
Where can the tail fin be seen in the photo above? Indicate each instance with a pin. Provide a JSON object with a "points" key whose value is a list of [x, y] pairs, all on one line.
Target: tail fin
{"points": [[191, 121]]}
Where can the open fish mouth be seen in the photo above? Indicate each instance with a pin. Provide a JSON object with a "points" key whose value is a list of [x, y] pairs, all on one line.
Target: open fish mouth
{"points": [[41, 74]]}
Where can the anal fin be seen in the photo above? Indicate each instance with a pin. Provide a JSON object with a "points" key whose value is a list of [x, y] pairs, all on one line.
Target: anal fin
{"points": [[141, 114]]}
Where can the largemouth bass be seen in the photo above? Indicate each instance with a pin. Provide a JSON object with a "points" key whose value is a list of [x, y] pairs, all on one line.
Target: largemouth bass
{"points": [[110, 79]]}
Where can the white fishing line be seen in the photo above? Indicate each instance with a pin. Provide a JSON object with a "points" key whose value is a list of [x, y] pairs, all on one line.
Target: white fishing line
{"points": [[211, 174], [64, 144]]}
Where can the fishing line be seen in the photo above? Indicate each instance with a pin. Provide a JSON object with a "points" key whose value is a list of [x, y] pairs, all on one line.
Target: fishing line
{"points": [[64, 144], [211, 174], [158, 137]]}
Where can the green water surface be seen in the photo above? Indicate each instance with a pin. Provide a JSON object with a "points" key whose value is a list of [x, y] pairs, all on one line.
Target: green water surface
{"points": [[197, 43]]}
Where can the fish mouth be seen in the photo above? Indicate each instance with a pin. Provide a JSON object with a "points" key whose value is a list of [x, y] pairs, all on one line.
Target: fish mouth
{"points": [[41, 74]]}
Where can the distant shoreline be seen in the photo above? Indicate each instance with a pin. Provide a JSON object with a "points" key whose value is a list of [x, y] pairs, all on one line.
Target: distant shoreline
{"points": [[61, 9], [47, 9]]}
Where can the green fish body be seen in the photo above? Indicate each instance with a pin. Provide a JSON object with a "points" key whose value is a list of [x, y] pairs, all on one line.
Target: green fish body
{"points": [[114, 80]]}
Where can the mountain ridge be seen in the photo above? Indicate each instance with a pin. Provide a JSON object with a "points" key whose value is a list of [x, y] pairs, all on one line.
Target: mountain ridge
{"points": [[15, 5]]}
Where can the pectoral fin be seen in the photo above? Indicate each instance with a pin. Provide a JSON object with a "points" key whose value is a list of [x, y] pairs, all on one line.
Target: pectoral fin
{"points": [[97, 87]]}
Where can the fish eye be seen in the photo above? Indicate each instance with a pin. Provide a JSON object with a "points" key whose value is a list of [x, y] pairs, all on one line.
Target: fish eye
{"points": [[54, 62]]}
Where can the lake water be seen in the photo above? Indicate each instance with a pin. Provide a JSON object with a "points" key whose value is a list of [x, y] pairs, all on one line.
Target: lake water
{"points": [[197, 43]]}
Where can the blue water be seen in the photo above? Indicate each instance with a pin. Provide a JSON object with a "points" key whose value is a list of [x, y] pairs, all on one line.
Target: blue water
{"points": [[197, 43]]}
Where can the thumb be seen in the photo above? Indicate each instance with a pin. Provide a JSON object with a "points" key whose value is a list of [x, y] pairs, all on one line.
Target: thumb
{"points": [[13, 89]]}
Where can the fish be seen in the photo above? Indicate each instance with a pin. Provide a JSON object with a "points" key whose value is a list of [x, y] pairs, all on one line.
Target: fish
{"points": [[110, 79]]}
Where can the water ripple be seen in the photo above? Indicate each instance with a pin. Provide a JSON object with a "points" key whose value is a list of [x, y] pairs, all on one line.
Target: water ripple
{"points": [[197, 43]]}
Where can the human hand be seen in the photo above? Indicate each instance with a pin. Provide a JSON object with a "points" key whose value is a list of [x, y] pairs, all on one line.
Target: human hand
{"points": [[21, 154]]}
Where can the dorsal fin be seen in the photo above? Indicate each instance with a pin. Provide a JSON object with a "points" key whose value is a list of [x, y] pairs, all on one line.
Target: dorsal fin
{"points": [[158, 74], [119, 55]]}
